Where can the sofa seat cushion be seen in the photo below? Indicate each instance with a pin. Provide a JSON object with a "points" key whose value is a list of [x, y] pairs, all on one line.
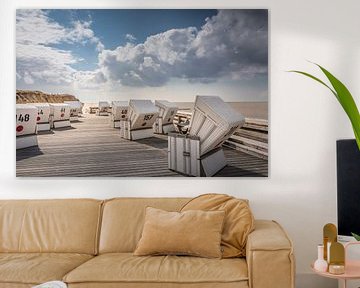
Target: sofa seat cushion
{"points": [[36, 268], [127, 268]]}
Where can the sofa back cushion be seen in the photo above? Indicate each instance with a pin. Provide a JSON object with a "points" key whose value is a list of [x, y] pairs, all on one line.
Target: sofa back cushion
{"points": [[66, 226], [123, 220], [238, 224]]}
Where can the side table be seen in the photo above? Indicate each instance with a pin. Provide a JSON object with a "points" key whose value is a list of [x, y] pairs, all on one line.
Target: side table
{"points": [[352, 269]]}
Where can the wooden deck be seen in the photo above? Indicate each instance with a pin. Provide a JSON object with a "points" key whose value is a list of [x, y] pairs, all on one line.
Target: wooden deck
{"points": [[92, 148]]}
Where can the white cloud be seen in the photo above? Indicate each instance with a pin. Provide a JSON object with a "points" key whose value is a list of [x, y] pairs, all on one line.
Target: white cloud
{"points": [[171, 46], [44, 63], [28, 79], [231, 44], [34, 27], [150, 63], [82, 33], [233, 41], [100, 46], [36, 57], [88, 79], [130, 37]]}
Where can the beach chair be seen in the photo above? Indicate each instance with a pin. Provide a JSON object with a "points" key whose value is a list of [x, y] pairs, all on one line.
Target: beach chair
{"points": [[82, 108], [26, 118], [142, 115], [164, 122], [75, 110], [119, 111], [59, 115], [43, 117], [104, 108], [200, 152]]}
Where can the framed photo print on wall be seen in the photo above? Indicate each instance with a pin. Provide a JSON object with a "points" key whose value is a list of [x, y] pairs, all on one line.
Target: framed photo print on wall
{"points": [[142, 92]]}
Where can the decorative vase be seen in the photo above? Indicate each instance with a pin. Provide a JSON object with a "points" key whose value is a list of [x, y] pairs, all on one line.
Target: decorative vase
{"points": [[320, 264]]}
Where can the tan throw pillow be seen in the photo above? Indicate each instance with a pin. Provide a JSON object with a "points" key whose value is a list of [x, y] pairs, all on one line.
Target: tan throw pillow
{"points": [[196, 233], [239, 220]]}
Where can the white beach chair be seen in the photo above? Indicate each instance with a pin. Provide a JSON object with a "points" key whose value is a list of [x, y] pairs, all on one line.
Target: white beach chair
{"points": [[75, 109], [164, 122], [142, 115], [213, 122], [59, 115], [43, 118], [119, 111], [26, 118], [104, 108]]}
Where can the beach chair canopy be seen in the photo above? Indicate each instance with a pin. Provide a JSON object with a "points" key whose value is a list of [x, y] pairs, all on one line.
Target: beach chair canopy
{"points": [[75, 107], [167, 110], [120, 109], [142, 114], [43, 112], [26, 116], [165, 104], [214, 121], [60, 111]]}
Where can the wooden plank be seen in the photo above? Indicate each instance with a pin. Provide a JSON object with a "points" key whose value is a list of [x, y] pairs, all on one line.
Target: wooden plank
{"points": [[252, 138], [256, 121], [239, 145], [252, 143], [92, 148], [255, 127], [255, 135], [246, 149]]}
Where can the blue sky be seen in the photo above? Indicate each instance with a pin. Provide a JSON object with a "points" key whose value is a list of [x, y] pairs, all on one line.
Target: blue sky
{"points": [[119, 54], [112, 26]]}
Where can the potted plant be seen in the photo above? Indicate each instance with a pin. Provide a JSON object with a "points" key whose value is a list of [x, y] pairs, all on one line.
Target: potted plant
{"points": [[345, 99], [356, 236]]}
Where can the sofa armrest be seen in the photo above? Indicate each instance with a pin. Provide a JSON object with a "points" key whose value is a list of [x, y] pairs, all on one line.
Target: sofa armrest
{"points": [[269, 256]]}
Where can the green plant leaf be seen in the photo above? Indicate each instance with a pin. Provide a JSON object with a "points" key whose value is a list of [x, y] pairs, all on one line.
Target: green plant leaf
{"points": [[347, 102], [344, 97], [356, 236], [316, 79]]}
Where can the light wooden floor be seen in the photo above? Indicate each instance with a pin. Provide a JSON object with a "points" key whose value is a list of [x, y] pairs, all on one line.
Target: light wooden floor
{"points": [[92, 148]]}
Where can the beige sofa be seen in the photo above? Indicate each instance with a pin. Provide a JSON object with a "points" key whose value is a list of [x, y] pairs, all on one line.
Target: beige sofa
{"points": [[89, 243]]}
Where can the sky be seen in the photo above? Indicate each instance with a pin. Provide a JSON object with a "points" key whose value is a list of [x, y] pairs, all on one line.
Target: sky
{"points": [[152, 54]]}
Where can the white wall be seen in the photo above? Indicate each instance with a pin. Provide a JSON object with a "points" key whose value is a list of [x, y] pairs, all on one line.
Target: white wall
{"points": [[305, 121]]}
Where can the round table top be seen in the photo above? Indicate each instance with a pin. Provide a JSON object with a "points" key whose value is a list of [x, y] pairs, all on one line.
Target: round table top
{"points": [[352, 271]]}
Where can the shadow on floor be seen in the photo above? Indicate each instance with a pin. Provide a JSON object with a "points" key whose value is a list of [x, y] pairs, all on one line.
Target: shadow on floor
{"points": [[233, 171], [154, 142], [29, 152], [46, 132], [64, 128]]}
